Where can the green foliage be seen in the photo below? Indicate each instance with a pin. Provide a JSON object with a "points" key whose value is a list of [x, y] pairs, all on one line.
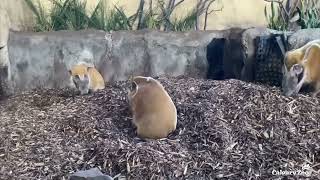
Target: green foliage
{"points": [[151, 20], [279, 18], [118, 20], [185, 23], [275, 20], [98, 17], [42, 23], [69, 14], [115, 19], [73, 15], [309, 16]]}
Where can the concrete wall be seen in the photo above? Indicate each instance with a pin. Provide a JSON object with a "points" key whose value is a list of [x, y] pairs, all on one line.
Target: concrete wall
{"points": [[42, 59], [248, 13]]}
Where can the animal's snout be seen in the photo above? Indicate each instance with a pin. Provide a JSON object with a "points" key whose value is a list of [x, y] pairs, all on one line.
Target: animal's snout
{"points": [[83, 92], [287, 93]]}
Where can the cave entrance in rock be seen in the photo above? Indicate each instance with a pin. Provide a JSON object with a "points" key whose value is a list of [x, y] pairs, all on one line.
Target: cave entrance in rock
{"points": [[215, 54]]}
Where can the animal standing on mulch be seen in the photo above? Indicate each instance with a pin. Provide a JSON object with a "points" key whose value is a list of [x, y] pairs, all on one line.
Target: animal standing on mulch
{"points": [[154, 113], [86, 78]]}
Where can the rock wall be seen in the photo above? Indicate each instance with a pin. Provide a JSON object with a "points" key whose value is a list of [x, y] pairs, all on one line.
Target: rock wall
{"points": [[43, 59], [302, 37], [5, 73]]}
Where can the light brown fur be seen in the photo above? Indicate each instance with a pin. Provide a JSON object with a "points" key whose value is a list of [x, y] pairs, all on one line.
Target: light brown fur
{"points": [[296, 56], [154, 113], [310, 67], [96, 81]]}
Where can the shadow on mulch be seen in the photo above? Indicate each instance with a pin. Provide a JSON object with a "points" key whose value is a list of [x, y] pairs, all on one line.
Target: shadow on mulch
{"points": [[226, 129]]}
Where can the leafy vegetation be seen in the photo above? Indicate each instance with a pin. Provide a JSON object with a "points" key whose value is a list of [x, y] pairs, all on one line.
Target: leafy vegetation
{"points": [[187, 22], [275, 20], [283, 14], [309, 15], [73, 15]]}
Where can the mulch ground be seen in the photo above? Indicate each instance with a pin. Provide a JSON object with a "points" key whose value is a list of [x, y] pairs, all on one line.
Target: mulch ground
{"points": [[226, 129]]}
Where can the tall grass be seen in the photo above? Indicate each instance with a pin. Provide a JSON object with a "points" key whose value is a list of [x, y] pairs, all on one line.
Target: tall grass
{"points": [[309, 15], [274, 19], [73, 15], [70, 14], [42, 20]]}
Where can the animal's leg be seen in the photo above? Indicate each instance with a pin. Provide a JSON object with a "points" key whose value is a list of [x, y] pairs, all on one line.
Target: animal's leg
{"points": [[314, 94], [301, 83]]}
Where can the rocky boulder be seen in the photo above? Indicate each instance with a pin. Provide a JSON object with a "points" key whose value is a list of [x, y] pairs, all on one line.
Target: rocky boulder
{"points": [[91, 174], [302, 37], [5, 73]]}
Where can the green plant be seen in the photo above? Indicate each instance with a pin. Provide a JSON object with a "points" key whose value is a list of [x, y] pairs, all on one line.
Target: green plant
{"points": [[42, 22], [151, 20], [275, 20], [303, 13], [73, 15], [185, 23], [309, 15], [69, 14], [118, 20]]}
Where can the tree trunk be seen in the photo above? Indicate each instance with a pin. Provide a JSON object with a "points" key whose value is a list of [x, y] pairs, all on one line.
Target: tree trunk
{"points": [[140, 14]]}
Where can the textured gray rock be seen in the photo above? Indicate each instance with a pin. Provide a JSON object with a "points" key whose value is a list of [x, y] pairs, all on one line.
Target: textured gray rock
{"points": [[177, 53], [5, 71], [302, 37], [4, 27], [91, 174], [126, 55], [233, 61], [42, 59]]}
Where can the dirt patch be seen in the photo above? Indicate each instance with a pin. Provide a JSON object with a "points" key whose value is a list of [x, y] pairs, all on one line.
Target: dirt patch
{"points": [[227, 129]]}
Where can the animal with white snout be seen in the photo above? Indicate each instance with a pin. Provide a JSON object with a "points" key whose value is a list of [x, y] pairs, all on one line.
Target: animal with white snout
{"points": [[86, 78], [305, 71]]}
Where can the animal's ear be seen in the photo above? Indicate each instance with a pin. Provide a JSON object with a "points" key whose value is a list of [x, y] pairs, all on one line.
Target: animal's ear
{"points": [[134, 88], [295, 18], [297, 69], [70, 72], [284, 69]]}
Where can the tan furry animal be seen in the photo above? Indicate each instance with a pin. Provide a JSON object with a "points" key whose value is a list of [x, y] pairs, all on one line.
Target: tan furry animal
{"points": [[154, 113], [305, 72], [86, 78], [296, 55]]}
